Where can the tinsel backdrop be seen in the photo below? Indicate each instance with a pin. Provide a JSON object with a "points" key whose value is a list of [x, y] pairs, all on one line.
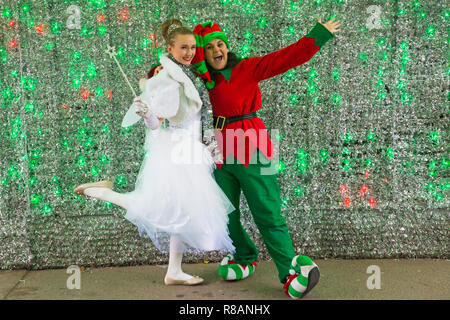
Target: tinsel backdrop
{"points": [[362, 127]]}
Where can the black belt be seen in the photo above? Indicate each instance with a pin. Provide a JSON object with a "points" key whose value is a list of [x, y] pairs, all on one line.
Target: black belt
{"points": [[219, 122]]}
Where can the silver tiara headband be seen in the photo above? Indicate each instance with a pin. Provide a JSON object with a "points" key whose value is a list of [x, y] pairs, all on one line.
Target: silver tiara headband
{"points": [[172, 27]]}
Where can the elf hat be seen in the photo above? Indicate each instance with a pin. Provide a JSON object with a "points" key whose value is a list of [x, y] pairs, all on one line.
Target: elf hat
{"points": [[151, 73], [204, 33]]}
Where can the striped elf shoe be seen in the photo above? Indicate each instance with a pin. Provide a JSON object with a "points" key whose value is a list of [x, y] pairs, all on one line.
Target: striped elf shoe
{"points": [[231, 270], [299, 284]]}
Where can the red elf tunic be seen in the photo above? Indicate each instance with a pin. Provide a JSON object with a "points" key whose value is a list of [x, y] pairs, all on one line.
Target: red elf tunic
{"points": [[237, 92]]}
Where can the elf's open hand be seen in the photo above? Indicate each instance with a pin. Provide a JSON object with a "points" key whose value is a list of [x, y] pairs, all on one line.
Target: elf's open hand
{"points": [[331, 25]]}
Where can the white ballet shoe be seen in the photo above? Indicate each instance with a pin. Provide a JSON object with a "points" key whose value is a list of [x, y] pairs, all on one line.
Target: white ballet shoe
{"points": [[194, 280], [100, 184]]}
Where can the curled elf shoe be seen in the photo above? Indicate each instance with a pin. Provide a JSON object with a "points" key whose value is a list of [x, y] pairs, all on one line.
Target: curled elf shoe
{"points": [[231, 270], [194, 280], [100, 184], [299, 284]]}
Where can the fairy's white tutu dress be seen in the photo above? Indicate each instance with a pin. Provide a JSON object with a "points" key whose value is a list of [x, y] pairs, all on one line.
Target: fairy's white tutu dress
{"points": [[175, 192]]}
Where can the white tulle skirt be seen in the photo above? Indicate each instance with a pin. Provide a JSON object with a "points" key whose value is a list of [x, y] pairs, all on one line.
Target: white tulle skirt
{"points": [[176, 194]]}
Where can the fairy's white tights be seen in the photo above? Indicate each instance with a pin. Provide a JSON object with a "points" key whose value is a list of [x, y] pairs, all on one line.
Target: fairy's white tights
{"points": [[174, 270], [107, 194]]}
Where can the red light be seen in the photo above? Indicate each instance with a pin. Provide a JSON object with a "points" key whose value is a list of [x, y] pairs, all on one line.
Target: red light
{"points": [[40, 28], [372, 203], [84, 94], [12, 23], [366, 174], [123, 13], [152, 37], [364, 189], [64, 107], [13, 44], [347, 202], [343, 188], [109, 94], [100, 18]]}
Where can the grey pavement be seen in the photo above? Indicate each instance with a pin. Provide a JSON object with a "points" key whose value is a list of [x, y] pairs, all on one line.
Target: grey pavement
{"points": [[340, 279]]}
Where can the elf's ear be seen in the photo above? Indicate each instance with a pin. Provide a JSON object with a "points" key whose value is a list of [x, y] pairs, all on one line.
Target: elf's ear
{"points": [[142, 83]]}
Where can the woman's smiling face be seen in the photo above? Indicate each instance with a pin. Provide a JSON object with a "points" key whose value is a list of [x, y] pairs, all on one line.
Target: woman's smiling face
{"points": [[216, 53], [183, 48]]}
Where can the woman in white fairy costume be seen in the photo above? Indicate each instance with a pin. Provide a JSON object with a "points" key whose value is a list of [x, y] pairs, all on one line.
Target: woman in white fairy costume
{"points": [[176, 201]]}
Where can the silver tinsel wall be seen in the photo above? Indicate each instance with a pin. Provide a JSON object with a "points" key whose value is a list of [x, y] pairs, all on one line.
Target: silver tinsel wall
{"points": [[362, 127]]}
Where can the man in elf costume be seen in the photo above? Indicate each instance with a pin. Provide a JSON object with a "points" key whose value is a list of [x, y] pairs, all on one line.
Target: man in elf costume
{"points": [[247, 150]]}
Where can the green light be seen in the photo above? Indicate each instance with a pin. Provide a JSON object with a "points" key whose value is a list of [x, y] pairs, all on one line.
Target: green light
{"points": [[294, 99], [262, 22], [11, 170], [434, 137], [290, 30], [58, 191], [368, 163], [336, 99], [281, 166], [101, 30], [336, 74], [6, 12], [56, 27], [312, 74], [311, 88], [381, 41], [35, 199], [389, 153], [445, 163], [91, 71], [26, 7], [76, 55], [49, 46], [98, 92], [145, 43], [104, 159], [138, 60], [81, 161], [431, 30], [347, 137], [29, 83], [94, 171], [370, 136], [323, 155], [430, 187], [346, 164], [85, 32], [46, 208], [76, 83], [298, 191], [121, 181], [105, 129], [249, 36], [432, 164]]}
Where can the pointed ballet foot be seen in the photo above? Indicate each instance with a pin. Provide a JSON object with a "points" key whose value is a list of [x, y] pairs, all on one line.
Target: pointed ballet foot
{"points": [[194, 280], [100, 184]]}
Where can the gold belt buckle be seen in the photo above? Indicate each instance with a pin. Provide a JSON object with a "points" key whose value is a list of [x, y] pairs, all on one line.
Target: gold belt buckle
{"points": [[223, 122]]}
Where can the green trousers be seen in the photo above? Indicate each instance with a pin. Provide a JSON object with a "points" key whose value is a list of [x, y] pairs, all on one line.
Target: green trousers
{"points": [[263, 197]]}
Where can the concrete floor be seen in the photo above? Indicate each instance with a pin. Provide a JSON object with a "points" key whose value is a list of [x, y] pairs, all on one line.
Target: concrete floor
{"points": [[340, 279]]}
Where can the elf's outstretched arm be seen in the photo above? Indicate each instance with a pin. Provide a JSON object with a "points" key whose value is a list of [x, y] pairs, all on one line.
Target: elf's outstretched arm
{"points": [[303, 50]]}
